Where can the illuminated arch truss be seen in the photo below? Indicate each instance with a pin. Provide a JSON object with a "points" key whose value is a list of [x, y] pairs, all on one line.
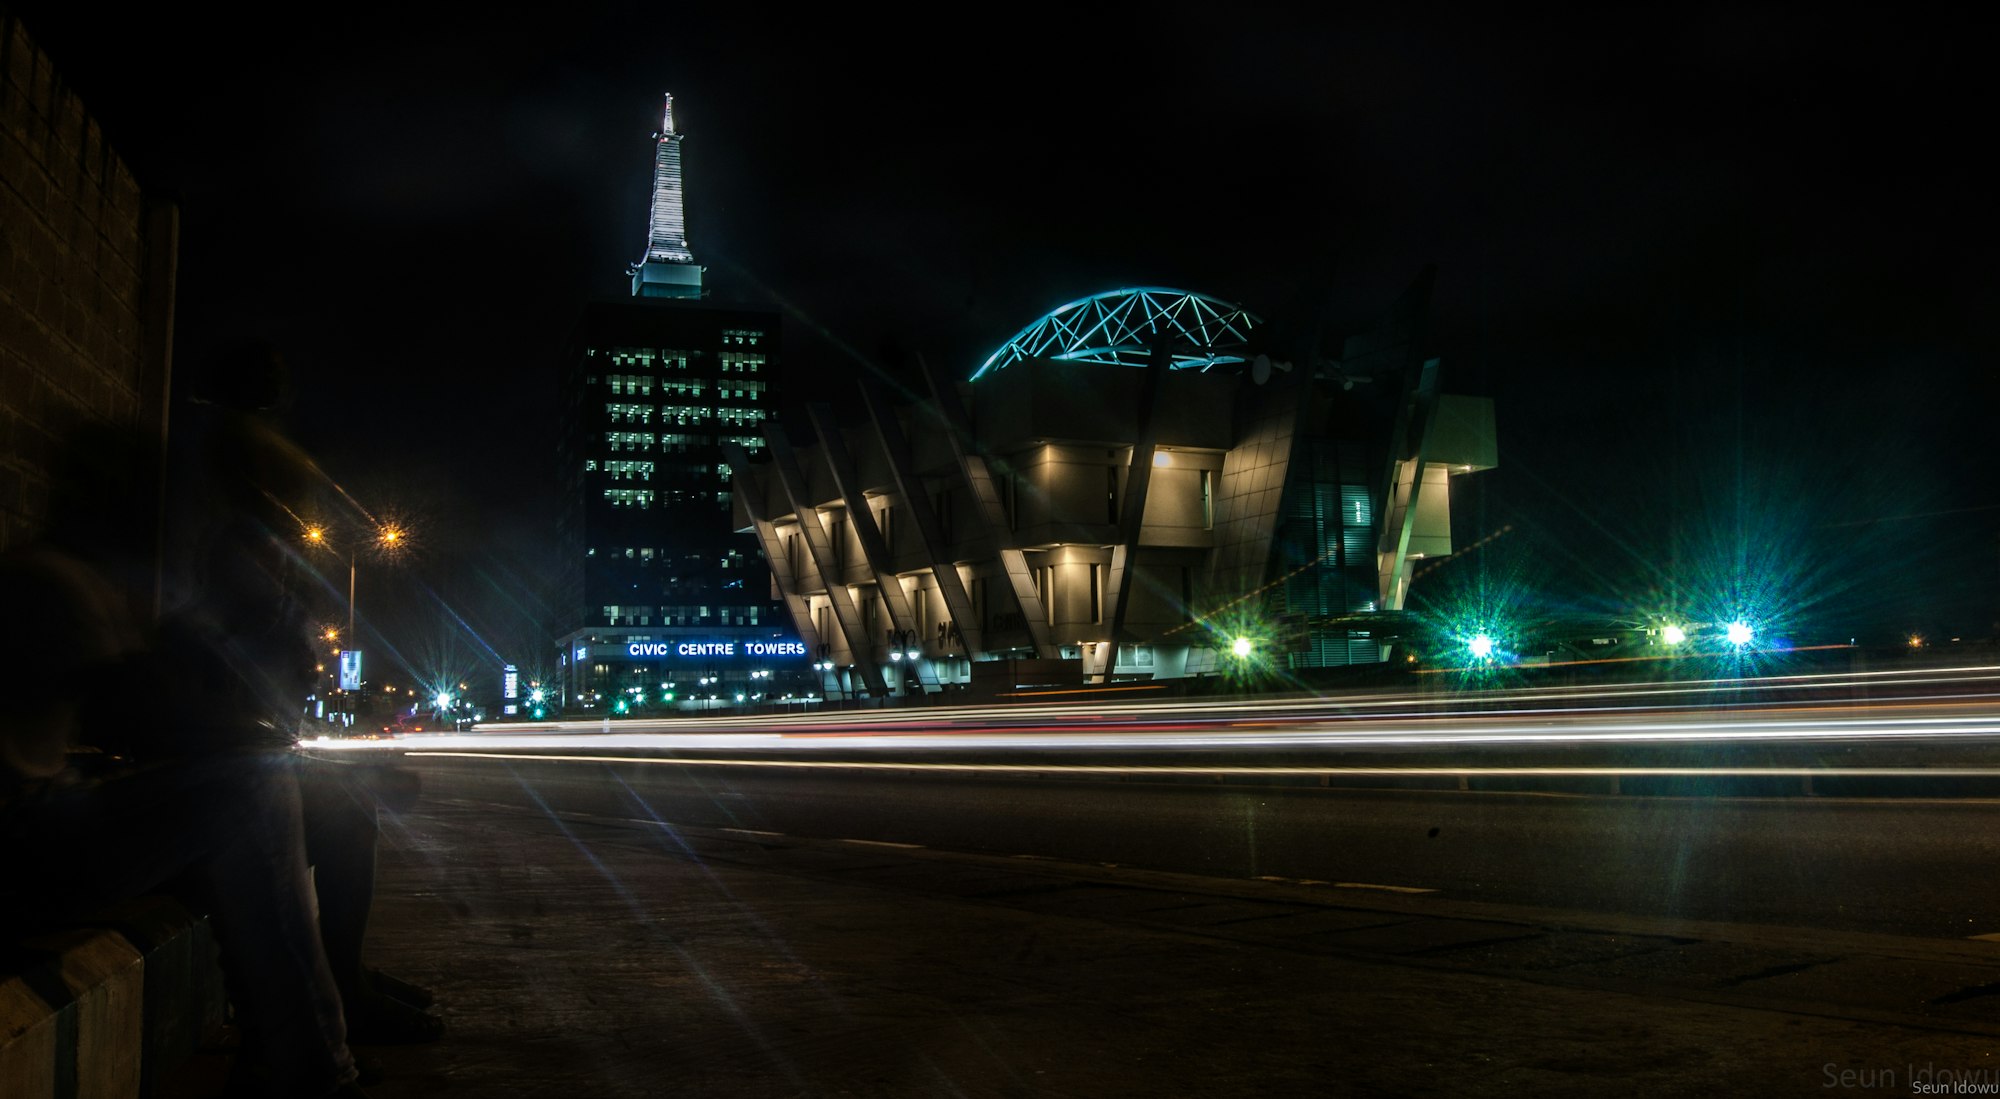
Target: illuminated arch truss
{"points": [[1116, 328]]}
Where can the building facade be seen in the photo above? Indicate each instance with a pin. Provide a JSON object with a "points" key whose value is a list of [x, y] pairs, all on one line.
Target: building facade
{"points": [[1144, 484], [87, 283], [667, 606]]}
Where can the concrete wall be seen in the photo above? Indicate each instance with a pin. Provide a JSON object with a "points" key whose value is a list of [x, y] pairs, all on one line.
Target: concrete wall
{"points": [[86, 281]]}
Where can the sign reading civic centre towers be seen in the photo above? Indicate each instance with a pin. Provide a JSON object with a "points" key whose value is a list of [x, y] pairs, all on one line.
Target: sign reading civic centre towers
{"points": [[698, 649]]}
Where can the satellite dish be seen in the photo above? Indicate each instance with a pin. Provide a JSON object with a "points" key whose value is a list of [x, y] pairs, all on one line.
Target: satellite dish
{"points": [[1260, 369]]}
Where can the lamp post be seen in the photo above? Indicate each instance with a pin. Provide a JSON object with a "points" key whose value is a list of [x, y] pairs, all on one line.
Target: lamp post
{"points": [[388, 539]]}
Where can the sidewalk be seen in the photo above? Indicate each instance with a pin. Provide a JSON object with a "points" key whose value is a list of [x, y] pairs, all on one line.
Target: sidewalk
{"points": [[580, 959]]}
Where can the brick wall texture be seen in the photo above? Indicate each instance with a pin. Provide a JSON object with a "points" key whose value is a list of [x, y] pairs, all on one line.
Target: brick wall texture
{"points": [[86, 281]]}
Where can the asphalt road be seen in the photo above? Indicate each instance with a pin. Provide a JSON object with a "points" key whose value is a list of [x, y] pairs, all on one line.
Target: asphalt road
{"points": [[1902, 867]]}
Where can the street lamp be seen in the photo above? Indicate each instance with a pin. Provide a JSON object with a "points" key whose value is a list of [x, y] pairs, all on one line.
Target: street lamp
{"points": [[388, 537]]}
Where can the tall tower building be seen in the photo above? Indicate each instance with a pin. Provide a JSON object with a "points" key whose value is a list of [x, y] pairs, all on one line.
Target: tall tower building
{"points": [[666, 606]]}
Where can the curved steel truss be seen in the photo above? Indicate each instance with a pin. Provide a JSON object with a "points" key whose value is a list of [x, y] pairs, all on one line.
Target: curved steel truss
{"points": [[1117, 327]]}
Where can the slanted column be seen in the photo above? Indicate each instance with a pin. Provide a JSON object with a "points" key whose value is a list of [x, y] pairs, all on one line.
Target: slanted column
{"points": [[847, 481], [1413, 437], [986, 499], [786, 461], [750, 489], [1132, 516], [910, 485]]}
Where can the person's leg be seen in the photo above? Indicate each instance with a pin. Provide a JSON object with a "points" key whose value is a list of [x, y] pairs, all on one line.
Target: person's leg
{"points": [[342, 811], [342, 830], [266, 917]]}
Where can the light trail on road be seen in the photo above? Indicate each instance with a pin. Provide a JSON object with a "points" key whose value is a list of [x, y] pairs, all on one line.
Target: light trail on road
{"points": [[1904, 706]]}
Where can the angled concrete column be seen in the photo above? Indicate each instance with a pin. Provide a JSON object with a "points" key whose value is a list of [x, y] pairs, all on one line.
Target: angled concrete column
{"points": [[1392, 560], [1132, 515], [847, 480], [793, 480], [986, 496], [750, 489], [910, 485]]}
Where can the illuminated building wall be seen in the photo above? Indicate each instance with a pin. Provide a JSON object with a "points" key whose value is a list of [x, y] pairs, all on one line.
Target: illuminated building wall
{"points": [[653, 393], [1072, 507]]}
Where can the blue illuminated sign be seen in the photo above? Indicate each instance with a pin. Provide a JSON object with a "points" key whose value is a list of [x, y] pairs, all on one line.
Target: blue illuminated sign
{"points": [[350, 669], [697, 650]]}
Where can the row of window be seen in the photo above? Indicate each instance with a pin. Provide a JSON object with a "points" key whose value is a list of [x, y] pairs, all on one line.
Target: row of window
{"points": [[646, 360], [684, 415], [674, 442], [733, 559], [645, 497], [695, 387], [681, 615], [624, 470], [669, 358], [628, 440], [630, 497]]}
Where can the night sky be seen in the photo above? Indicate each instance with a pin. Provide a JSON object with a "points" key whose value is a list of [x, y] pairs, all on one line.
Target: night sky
{"points": [[1727, 275]]}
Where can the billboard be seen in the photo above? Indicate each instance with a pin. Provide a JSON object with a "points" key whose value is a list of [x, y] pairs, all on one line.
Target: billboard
{"points": [[350, 669], [510, 683]]}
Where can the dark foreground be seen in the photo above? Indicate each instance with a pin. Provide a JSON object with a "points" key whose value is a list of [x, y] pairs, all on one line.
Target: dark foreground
{"points": [[584, 956]]}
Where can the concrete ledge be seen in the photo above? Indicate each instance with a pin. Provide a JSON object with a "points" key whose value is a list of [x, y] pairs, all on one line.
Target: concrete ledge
{"points": [[109, 1010]]}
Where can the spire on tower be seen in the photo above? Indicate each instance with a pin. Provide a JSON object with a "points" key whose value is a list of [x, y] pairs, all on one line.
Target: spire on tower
{"points": [[668, 269]]}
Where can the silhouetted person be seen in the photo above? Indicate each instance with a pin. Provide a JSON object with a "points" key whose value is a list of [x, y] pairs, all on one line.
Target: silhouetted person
{"points": [[241, 488], [82, 829]]}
